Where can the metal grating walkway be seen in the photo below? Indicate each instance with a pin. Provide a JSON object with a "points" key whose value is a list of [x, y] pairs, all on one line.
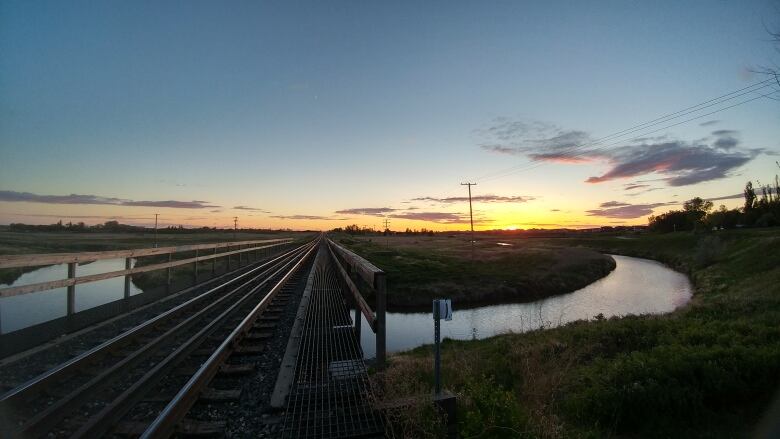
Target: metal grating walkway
{"points": [[330, 394]]}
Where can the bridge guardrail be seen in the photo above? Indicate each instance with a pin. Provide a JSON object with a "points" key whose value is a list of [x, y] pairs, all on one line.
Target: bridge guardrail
{"points": [[73, 259], [356, 267]]}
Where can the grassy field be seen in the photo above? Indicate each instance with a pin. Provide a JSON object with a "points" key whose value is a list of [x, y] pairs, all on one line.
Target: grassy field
{"points": [[66, 242], [422, 268], [707, 370]]}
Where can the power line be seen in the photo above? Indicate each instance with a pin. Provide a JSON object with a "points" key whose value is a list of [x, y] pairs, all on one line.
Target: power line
{"points": [[657, 121], [536, 163]]}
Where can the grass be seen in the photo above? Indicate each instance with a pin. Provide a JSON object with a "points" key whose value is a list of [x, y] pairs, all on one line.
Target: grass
{"points": [[423, 268], [707, 370]]}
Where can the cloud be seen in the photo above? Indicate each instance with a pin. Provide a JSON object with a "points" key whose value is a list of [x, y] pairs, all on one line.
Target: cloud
{"points": [[478, 199], [727, 197], [13, 196], [709, 123], [632, 186], [634, 194], [613, 204], [555, 210], [307, 217], [374, 211], [680, 163], [439, 217], [725, 139], [625, 211], [252, 209], [66, 217]]}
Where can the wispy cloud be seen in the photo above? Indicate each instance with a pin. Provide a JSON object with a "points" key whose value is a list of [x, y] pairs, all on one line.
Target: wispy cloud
{"points": [[251, 209], [478, 199], [632, 186], [13, 196], [709, 123], [440, 217], [680, 162], [613, 204], [374, 211], [307, 217], [727, 197], [624, 210]]}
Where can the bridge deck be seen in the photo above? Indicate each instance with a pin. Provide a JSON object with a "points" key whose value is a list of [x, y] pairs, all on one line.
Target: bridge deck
{"points": [[330, 395]]}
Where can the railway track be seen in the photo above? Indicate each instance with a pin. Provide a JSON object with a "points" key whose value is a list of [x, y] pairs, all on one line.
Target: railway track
{"points": [[128, 382]]}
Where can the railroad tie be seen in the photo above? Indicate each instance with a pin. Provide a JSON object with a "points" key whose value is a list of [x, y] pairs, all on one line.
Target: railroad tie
{"points": [[258, 336], [249, 350], [237, 369], [192, 427], [219, 395]]}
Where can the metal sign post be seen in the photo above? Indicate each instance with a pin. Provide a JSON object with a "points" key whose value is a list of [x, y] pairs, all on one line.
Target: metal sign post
{"points": [[442, 308]]}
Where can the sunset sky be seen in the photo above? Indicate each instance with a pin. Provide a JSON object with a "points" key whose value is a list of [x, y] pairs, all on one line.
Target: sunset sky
{"points": [[313, 115]]}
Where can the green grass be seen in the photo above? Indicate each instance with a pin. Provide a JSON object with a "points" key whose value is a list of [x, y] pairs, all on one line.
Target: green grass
{"points": [[421, 269], [707, 370]]}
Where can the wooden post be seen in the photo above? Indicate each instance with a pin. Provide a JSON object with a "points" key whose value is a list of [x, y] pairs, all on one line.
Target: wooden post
{"points": [[381, 305], [240, 257], [214, 264], [128, 265], [195, 266], [71, 289]]}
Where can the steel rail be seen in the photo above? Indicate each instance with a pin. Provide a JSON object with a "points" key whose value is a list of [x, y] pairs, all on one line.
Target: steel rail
{"points": [[43, 420], [83, 359], [102, 422], [165, 423]]}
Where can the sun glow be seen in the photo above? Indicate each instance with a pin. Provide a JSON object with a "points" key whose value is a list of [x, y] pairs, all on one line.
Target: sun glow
{"points": [[510, 228]]}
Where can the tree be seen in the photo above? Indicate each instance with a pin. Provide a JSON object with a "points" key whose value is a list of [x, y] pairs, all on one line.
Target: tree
{"points": [[750, 196]]}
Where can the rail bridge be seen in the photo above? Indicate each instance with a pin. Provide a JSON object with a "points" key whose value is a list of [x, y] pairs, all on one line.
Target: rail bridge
{"points": [[265, 347]]}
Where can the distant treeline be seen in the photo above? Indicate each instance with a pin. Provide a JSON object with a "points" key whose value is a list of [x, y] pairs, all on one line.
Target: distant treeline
{"points": [[116, 227], [354, 229], [761, 209]]}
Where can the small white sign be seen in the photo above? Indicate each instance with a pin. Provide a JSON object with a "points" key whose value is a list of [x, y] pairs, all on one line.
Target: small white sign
{"points": [[444, 309]]}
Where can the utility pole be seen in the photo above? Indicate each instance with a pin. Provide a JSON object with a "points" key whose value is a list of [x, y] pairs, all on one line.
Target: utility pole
{"points": [[471, 217], [387, 232], [155, 229], [235, 227]]}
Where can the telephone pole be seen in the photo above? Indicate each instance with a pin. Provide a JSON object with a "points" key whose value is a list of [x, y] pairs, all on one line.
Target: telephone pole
{"points": [[155, 229], [387, 232], [471, 217], [235, 227]]}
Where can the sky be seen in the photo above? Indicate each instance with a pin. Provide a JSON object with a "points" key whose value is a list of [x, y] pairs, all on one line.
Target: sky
{"points": [[314, 115]]}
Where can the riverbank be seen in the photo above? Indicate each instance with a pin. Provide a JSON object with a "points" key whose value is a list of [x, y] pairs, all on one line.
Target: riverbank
{"points": [[420, 269], [708, 369]]}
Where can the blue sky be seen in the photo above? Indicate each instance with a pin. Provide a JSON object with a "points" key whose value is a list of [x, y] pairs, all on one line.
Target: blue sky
{"points": [[309, 109]]}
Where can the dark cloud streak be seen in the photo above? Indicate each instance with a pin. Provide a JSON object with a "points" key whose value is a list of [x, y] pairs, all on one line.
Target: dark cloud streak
{"points": [[13, 196]]}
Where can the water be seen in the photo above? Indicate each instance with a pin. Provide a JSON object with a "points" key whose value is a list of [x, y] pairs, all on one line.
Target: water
{"points": [[29, 309], [636, 286]]}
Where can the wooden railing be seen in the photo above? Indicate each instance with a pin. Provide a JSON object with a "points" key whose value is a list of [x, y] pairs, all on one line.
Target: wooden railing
{"points": [[356, 267], [72, 259]]}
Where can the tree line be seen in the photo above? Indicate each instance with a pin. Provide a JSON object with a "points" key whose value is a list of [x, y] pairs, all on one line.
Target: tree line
{"points": [[761, 208]]}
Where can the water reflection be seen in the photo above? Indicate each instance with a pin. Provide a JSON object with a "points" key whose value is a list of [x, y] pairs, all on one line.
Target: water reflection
{"points": [[29, 309], [636, 286]]}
